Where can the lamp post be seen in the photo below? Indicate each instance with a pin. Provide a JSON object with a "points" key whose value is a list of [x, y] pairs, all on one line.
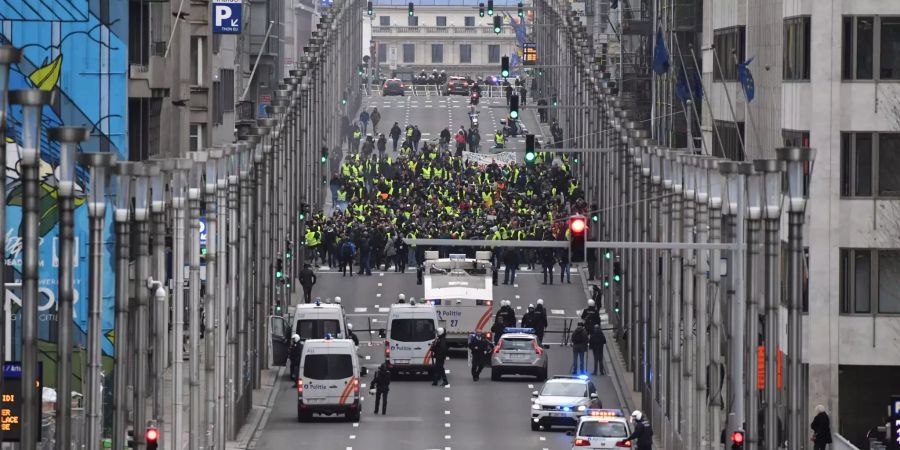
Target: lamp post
{"points": [[675, 286], [160, 308], [665, 192], [213, 293], [98, 165], [195, 183], [32, 102], [688, 258], [715, 182], [124, 171], [754, 269], [701, 289], [771, 171], [179, 192], [68, 138], [798, 160], [142, 292], [222, 305]]}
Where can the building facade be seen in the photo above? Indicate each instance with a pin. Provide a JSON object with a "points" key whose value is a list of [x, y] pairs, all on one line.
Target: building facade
{"points": [[448, 36]]}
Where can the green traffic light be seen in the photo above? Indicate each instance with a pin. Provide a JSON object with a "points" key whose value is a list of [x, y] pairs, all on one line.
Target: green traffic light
{"points": [[344, 100], [503, 73], [410, 13], [497, 30], [287, 255], [480, 13], [514, 114], [595, 218], [302, 216], [605, 283], [617, 278], [279, 274], [529, 156], [491, 13], [323, 159], [607, 255], [555, 103]]}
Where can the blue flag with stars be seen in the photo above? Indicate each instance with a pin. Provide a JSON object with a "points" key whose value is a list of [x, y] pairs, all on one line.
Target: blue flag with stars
{"points": [[660, 54], [746, 79]]}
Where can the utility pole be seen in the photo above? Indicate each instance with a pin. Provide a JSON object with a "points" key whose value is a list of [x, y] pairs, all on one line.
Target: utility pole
{"points": [[125, 171], [195, 184]]}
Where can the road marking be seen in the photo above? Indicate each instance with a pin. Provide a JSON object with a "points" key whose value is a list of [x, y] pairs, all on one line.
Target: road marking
{"points": [[361, 309], [518, 307], [352, 436], [446, 399], [368, 357], [381, 274], [446, 436], [559, 312], [515, 284], [446, 424], [446, 412], [517, 296], [543, 438], [379, 284], [376, 306], [530, 386], [355, 424], [378, 294], [384, 310]]}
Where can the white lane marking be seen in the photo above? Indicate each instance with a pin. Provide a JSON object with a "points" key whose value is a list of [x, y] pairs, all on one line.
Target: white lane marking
{"points": [[378, 294], [376, 306], [368, 357], [352, 436], [362, 385], [374, 320], [349, 448], [379, 284], [559, 312], [446, 399], [446, 412], [515, 284], [360, 309], [543, 438], [518, 307], [446, 436], [530, 386], [446, 424], [384, 310], [447, 371], [355, 424], [381, 274], [517, 296]]}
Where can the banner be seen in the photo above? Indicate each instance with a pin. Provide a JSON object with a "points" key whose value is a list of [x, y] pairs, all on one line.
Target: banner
{"points": [[484, 159]]}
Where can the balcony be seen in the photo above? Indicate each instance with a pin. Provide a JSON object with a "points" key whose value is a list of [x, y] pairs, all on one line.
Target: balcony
{"points": [[473, 32]]}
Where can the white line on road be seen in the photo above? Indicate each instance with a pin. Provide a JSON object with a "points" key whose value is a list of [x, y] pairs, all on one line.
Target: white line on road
{"points": [[560, 312], [360, 309], [543, 438], [352, 436], [446, 412], [446, 436], [378, 294], [379, 284], [446, 424], [446, 399]]}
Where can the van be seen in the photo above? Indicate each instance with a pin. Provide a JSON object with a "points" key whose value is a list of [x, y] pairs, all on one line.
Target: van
{"points": [[319, 320], [411, 330], [329, 379]]}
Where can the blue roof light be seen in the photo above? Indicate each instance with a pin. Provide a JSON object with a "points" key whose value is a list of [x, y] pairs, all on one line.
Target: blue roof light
{"points": [[567, 408], [583, 377], [519, 330]]}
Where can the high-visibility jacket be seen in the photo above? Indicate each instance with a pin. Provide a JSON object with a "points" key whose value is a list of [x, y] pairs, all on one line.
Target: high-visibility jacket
{"points": [[499, 138], [311, 239], [357, 134], [426, 172], [341, 195]]}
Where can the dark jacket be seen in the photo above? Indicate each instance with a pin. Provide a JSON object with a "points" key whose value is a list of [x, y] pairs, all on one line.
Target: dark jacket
{"points": [[643, 434], [580, 339], [506, 316], [529, 320], [598, 340], [439, 348], [381, 381], [480, 349], [511, 257], [590, 316], [540, 315], [307, 277], [821, 426], [395, 132]]}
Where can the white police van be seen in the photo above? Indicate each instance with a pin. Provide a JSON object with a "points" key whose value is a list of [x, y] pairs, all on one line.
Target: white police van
{"points": [[317, 320], [411, 329], [329, 379]]}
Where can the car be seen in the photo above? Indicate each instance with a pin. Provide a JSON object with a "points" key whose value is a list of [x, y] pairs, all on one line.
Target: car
{"points": [[518, 353], [393, 86], [601, 429], [457, 86], [562, 401]]}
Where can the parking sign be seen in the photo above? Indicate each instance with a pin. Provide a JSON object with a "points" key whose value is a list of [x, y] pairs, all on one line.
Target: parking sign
{"points": [[226, 16]]}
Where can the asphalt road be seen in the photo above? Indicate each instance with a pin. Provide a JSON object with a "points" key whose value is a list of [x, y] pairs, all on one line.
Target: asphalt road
{"points": [[465, 415]]}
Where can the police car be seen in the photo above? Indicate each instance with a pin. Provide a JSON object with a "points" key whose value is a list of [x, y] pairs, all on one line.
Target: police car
{"points": [[562, 401], [601, 428], [518, 352]]}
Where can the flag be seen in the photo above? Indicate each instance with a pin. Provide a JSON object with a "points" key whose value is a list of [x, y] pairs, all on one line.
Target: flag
{"points": [[681, 87], [660, 54], [746, 79]]}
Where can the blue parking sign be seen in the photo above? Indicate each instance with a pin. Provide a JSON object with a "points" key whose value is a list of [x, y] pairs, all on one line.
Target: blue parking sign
{"points": [[226, 16]]}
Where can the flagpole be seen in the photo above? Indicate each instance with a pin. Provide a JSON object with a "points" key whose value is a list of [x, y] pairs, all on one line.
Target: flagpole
{"points": [[747, 109], [705, 97], [691, 92], [730, 105]]}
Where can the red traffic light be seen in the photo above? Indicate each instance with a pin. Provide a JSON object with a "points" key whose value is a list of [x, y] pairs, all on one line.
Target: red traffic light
{"points": [[152, 435], [577, 225], [737, 437]]}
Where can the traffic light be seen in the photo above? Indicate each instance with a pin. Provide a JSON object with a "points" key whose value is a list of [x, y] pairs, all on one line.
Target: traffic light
{"points": [[555, 103], [498, 23], [360, 70], [490, 9], [577, 234], [152, 436], [616, 308], [606, 282], [529, 148], [369, 10], [504, 64], [302, 214], [279, 268], [277, 307], [617, 271], [289, 251], [412, 9], [343, 102], [481, 10], [514, 106], [607, 254], [737, 440], [324, 157], [521, 10], [595, 217]]}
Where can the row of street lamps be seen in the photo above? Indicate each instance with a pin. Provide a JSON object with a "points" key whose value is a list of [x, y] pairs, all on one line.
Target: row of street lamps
{"points": [[248, 193], [688, 311]]}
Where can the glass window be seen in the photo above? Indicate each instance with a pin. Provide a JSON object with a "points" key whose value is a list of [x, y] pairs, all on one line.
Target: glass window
{"points": [[730, 134], [517, 344], [603, 429], [437, 53], [890, 48], [317, 328], [726, 40], [470, 21], [384, 21], [412, 330], [327, 367], [863, 165], [493, 53], [409, 53], [565, 389], [382, 53], [862, 281], [888, 164], [465, 53], [846, 152], [847, 40], [196, 137], [796, 48], [198, 57], [441, 21], [864, 44], [412, 21], [889, 281]]}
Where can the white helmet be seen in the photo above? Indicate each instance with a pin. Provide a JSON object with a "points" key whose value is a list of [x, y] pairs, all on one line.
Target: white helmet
{"points": [[591, 303], [530, 306], [540, 301], [295, 337], [440, 331], [412, 300], [350, 326], [401, 297], [637, 415], [337, 300]]}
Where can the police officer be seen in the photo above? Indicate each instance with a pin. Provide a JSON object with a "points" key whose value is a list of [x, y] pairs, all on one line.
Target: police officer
{"points": [[529, 319], [401, 298], [596, 344], [540, 315], [506, 316], [439, 351], [295, 352], [381, 384], [351, 335], [590, 315], [307, 280], [481, 350], [643, 432]]}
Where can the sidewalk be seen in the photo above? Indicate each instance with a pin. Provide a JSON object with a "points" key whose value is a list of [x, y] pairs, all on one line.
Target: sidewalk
{"points": [[263, 399]]}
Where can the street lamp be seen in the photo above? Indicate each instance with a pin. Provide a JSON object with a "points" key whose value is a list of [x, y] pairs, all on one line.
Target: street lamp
{"points": [[214, 295], [98, 165], [32, 102], [160, 309], [715, 183], [68, 138], [798, 160], [195, 183], [141, 316], [771, 174], [178, 187], [122, 214]]}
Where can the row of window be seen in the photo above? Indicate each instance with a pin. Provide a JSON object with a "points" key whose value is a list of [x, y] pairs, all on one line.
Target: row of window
{"points": [[870, 46], [870, 163], [437, 53], [413, 21], [869, 281]]}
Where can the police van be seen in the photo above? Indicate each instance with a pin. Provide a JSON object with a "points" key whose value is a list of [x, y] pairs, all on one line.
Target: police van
{"points": [[462, 291], [411, 329], [329, 379], [317, 320]]}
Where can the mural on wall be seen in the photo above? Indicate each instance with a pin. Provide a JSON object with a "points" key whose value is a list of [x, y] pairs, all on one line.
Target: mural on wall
{"points": [[78, 50]]}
